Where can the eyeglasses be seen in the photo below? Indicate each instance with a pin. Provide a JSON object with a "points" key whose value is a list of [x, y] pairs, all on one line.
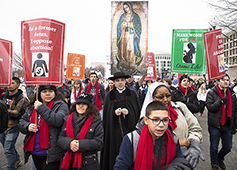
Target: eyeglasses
{"points": [[162, 97], [157, 121]]}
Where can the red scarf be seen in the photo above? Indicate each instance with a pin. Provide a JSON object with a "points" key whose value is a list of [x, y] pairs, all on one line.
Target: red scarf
{"points": [[185, 91], [76, 95], [145, 148], [98, 103], [43, 133], [173, 115], [229, 106], [70, 134]]}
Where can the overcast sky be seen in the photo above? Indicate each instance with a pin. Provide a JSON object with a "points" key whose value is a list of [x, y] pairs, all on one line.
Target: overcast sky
{"points": [[88, 22]]}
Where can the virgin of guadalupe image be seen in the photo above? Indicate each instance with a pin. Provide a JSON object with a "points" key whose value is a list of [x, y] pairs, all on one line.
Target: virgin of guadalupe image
{"points": [[128, 38], [189, 54], [39, 67]]}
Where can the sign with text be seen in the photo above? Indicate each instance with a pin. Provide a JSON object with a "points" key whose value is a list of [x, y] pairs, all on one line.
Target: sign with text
{"points": [[151, 69], [75, 66], [164, 73], [5, 62], [215, 54], [188, 54], [42, 42]]}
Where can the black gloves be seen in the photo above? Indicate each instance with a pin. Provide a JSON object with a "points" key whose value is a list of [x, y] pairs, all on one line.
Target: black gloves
{"points": [[193, 153], [224, 100]]}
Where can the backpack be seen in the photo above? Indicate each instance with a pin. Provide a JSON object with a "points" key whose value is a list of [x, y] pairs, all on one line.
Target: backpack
{"points": [[3, 117]]}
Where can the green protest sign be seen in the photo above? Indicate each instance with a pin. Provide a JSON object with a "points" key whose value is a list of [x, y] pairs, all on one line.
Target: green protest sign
{"points": [[188, 54]]}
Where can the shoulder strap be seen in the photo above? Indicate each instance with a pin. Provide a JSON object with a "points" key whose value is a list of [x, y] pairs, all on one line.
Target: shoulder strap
{"points": [[180, 109], [56, 108]]}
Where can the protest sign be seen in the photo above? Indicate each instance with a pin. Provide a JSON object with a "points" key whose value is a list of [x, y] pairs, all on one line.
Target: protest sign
{"points": [[215, 54], [151, 69], [5, 62], [188, 54], [164, 73], [75, 66], [42, 42]]}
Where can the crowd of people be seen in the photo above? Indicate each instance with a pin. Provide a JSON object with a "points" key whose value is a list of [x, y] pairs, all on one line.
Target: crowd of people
{"points": [[118, 123]]}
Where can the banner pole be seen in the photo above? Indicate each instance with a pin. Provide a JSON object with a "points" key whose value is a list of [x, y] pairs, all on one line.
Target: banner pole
{"points": [[36, 98]]}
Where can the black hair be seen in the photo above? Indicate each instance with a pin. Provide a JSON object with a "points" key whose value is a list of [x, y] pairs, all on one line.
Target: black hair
{"points": [[93, 73], [154, 92], [226, 75], [183, 77], [90, 109], [17, 80], [155, 105]]}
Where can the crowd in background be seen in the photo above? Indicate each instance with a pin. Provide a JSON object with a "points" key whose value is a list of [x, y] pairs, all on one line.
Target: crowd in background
{"points": [[79, 107]]}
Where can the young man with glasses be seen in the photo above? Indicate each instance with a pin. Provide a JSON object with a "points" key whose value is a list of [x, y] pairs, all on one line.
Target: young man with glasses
{"points": [[153, 144], [222, 120]]}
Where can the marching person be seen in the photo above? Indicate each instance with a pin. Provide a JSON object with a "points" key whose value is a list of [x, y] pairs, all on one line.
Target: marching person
{"points": [[42, 124], [183, 122], [185, 94], [222, 120], [77, 88], [121, 113], [82, 135], [15, 102]]}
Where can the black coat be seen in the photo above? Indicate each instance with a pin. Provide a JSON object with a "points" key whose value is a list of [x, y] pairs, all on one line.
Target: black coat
{"points": [[112, 128], [190, 100], [54, 119], [92, 143], [214, 106]]}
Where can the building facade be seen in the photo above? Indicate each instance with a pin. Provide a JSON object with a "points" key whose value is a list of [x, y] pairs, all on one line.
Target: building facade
{"points": [[163, 61], [230, 52]]}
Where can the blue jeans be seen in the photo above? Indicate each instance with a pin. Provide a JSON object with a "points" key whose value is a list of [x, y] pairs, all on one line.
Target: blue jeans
{"points": [[226, 139], [8, 142]]}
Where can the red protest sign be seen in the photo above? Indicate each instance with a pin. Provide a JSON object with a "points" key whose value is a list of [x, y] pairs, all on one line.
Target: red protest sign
{"points": [[5, 62], [75, 66], [42, 42], [215, 54], [151, 70]]}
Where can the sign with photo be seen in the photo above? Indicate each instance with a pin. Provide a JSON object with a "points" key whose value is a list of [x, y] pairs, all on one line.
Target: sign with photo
{"points": [[215, 54], [42, 42], [188, 54], [5, 62], [151, 69], [75, 66]]}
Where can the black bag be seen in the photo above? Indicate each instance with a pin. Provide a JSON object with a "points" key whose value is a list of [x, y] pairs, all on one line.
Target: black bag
{"points": [[3, 116]]}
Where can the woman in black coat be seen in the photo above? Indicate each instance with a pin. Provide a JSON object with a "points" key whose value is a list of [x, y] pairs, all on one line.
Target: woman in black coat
{"points": [[185, 94], [42, 124], [82, 135]]}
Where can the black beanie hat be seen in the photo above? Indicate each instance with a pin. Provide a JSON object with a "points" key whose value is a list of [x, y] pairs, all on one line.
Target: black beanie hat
{"points": [[49, 87], [182, 77]]}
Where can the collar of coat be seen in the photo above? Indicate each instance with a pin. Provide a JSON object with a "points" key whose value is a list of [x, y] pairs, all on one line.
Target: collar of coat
{"points": [[112, 93]]}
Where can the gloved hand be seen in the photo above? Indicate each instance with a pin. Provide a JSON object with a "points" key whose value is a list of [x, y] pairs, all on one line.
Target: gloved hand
{"points": [[224, 100], [193, 153]]}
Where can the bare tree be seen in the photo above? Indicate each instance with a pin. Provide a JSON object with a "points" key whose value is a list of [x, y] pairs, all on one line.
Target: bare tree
{"points": [[225, 14], [17, 61]]}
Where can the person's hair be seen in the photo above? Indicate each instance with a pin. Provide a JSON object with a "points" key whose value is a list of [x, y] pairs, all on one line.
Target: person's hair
{"points": [[167, 80], [183, 77], [154, 92], [90, 109], [17, 80], [202, 88], [226, 75], [78, 81], [155, 105], [94, 74], [107, 88], [32, 99]]}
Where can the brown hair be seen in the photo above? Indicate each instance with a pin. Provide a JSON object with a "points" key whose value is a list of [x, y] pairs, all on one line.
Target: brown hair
{"points": [[78, 81]]}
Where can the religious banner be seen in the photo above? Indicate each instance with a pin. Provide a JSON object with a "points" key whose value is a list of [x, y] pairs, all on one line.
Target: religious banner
{"points": [[188, 54], [5, 62], [215, 54], [164, 73], [129, 35], [151, 69], [42, 42], [75, 66]]}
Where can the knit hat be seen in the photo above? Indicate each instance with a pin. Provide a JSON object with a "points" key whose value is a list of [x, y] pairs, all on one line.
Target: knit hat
{"points": [[183, 77], [49, 87], [84, 98]]}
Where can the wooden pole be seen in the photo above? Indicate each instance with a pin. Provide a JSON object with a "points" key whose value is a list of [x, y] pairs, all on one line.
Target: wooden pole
{"points": [[36, 98]]}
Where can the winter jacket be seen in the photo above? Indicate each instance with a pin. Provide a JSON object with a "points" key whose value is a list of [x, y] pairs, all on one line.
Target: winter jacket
{"points": [[92, 143], [190, 100], [214, 107], [126, 158], [54, 119], [101, 92]]}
